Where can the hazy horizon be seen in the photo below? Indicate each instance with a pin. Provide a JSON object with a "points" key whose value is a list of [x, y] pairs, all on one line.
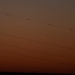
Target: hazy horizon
{"points": [[37, 36]]}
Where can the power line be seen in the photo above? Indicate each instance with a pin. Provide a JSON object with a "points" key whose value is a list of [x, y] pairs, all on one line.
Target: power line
{"points": [[36, 58], [36, 21], [38, 41], [37, 51]]}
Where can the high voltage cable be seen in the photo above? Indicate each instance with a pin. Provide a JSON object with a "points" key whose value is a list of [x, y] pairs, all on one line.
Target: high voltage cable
{"points": [[36, 51], [36, 58], [38, 41], [35, 21]]}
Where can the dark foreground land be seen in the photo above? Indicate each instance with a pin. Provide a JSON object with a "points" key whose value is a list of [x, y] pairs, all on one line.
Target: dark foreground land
{"points": [[17, 73]]}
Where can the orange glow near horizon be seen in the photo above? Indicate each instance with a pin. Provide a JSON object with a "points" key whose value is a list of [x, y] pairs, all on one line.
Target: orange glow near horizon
{"points": [[30, 19]]}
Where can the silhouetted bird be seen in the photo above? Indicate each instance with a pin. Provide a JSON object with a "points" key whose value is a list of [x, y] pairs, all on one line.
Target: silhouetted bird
{"points": [[71, 29], [7, 14], [28, 19], [49, 24]]}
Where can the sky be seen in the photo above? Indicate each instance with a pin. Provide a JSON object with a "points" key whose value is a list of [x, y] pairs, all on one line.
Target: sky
{"points": [[29, 44]]}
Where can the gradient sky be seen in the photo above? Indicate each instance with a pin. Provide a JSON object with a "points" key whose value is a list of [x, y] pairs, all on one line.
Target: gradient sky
{"points": [[57, 13]]}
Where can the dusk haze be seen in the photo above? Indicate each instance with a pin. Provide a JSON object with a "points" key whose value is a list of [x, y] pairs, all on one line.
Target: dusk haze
{"points": [[37, 36]]}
